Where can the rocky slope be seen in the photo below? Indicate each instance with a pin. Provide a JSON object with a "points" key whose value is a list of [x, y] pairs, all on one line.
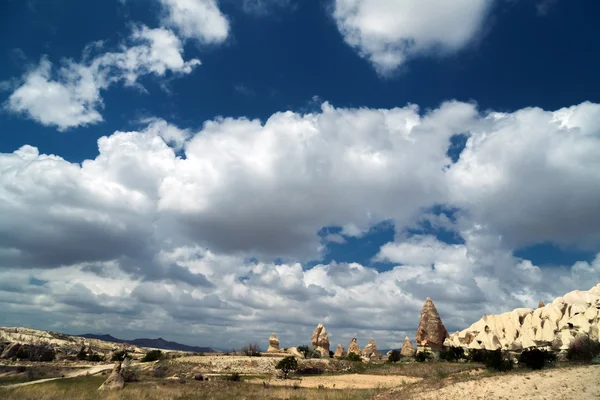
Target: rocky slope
{"points": [[555, 325]]}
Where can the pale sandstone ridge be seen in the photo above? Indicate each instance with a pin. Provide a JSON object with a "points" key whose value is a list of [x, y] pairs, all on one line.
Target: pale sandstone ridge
{"points": [[61, 343], [115, 381], [555, 325], [320, 340], [340, 351], [408, 350], [294, 351], [353, 348], [370, 351], [273, 344], [431, 332]]}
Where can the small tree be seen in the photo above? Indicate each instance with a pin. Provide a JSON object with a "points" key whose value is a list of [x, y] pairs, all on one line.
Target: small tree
{"points": [[119, 355], [394, 356], [152, 355], [583, 349], [495, 360], [82, 355], [452, 354], [305, 350], [536, 358], [423, 356], [287, 365], [251, 350], [353, 357], [95, 357]]}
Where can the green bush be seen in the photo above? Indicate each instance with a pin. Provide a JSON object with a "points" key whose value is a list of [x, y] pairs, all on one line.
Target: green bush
{"points": [[394, 356], [583, 349], [452, 354], [596, 360], [22, 353], [496, 361], [423, 356], [235, 377], [152, 355], [478, 355], [305, 350], [82, 355], [95, 357], [287, 365], [119, 355], [353, 357], [536, 358]]}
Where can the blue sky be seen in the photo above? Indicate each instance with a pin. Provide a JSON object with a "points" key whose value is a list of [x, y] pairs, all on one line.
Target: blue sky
{"points": [[221, 166]]}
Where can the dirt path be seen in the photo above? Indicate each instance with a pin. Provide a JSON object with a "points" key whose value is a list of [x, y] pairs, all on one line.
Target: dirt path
{"points": [[88, 371], [581, 383], [347, 381]]}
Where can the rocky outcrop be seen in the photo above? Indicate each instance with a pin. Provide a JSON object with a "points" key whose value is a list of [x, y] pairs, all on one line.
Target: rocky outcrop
{"points": [[320, 340], [340, 351], [370, 351], [408, 350], [555, 325], [541, 304], [115, 381], [273, 344], [294, 351], [354, 348], [431, 332]]}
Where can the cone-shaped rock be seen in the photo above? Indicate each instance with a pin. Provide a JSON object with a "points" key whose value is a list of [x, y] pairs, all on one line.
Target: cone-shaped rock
{"points": [[115, 381], [340, 351], [408, 350], [370, 350], [273, 344], [320, 340], [541, 304], [431, 332], [353, 348]]}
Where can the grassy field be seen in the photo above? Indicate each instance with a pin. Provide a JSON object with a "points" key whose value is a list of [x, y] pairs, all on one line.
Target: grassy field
{"points": [[85, 388]]}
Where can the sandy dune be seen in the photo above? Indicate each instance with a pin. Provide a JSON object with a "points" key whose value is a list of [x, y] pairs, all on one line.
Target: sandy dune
{"points": [[581, 383]]}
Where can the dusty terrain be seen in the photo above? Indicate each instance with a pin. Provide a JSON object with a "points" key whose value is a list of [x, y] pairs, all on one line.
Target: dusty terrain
{"points": [[344, 381], [581, 383]]}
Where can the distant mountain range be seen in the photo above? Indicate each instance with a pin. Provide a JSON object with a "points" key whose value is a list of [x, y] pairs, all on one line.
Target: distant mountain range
{"points": [[159, 343]]}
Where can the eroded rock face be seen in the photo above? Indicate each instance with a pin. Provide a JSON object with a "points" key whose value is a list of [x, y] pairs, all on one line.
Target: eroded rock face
{"points": [[370, 351], [431, 332], [294, 351], [320, 340], [541, 304], [555, 325], [408, 350], [354, 348], [115, 381], [340, 351], [273, 344]]}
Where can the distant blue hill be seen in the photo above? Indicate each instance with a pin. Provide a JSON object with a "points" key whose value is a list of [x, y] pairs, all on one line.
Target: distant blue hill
{"points": [[159, 343]]}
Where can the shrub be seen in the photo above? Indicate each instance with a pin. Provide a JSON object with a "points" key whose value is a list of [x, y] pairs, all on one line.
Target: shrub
{"points": [[82, 355], [46, 354], [21, 368], [152, 355], [536, 358], [235, 377], [423, 356], [394, 356], [307, 351], [452, 354], [287, 365], [353, 357], [95, 357], [160, 369], [22, 353], [494, 360], [119, 355], [331, 354], [583, 349], [310, 371], [251, 350], [596, 360], [477, 355]]}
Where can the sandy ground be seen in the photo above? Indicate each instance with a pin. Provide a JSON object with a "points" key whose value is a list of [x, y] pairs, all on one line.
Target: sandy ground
{"points": [[348, 381], [81, 372], [581, 383]]}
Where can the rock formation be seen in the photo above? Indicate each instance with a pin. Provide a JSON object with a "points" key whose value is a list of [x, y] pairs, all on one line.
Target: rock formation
{"points": [[320, 340], [408, 350], [115, 381], [294, 351], [340, 351], [10, 351], [431, 332], [273, 344], [541, 304], [370, 351], [353, 348], [555, 325]]}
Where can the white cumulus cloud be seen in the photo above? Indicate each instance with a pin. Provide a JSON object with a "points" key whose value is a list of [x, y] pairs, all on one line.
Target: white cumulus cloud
{"points": [[198, 19]]}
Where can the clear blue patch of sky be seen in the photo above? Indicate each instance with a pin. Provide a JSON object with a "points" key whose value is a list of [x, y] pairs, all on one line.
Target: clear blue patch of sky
{"points": [[36, 282], [549, 255]]}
